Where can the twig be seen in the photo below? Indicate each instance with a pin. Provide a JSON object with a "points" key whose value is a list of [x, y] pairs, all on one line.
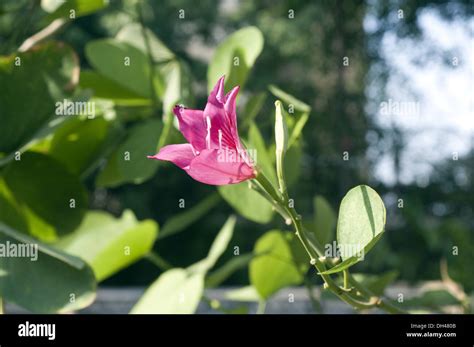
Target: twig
{"points": [[41, 35]]}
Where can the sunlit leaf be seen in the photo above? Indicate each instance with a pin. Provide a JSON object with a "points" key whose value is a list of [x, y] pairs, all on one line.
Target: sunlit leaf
{"points": [[279, 265], [110, 244], [72, 8], [175, 292], [234, 57], [324, 220], [247, 202]]}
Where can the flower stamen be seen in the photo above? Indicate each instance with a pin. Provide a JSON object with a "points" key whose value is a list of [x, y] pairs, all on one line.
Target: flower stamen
{"points": [[220, 138], [208, 136]]}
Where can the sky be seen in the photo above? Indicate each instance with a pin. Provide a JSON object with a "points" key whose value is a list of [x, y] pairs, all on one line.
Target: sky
{"points": [[435, 101]]}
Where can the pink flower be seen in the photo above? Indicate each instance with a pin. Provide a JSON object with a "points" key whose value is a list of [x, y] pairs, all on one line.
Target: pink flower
{"points": [[214, 154]]}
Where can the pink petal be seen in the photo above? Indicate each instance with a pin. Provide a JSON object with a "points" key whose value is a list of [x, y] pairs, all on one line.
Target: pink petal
{"points": [[220, 167], [192, 125], [181, 155], [217, 93], [230, 110], [218, 120]]}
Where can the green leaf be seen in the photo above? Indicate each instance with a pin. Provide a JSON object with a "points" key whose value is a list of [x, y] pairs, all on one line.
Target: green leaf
{"points": [[324, 220], [178, 85], [361, 220], [48, 189], [47, 284], [109, 244], [129, 162], [48, 73], [121, 62], [178, 290], [217, 248], [244, 294], [181, 221], [279, 266], [289, 99], [296, 114], [257, 148], [234, 57], [253, 107], [175, 292], [297, 128], [347, 263], [10, 213], [292, 164], [105, 88], [247, 202], [236, 263], [78, 143], [62, 9], [132, 34]]}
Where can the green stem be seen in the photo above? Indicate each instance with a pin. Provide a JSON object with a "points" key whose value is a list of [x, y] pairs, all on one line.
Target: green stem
{"points": [[1, 306], [262, 304], [259, 188], [314, 254], [383, 304], [158, 261], [346, 279]]}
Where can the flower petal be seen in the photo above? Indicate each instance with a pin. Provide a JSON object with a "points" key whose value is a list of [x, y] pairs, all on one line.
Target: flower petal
{"points": [[216, 119], [192, 125], [220, 167], [217, 93], [181, 155], [231, 113]]}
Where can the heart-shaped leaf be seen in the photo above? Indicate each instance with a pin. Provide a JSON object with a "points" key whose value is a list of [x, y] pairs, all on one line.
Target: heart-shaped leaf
{"points": [[360, 225]]}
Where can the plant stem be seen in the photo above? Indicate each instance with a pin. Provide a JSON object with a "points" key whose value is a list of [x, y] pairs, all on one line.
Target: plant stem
{"points": [[1, 306], [346, 279], [158, 261], [314, 252], [42, 35], [262, 304], [385, 305]]}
